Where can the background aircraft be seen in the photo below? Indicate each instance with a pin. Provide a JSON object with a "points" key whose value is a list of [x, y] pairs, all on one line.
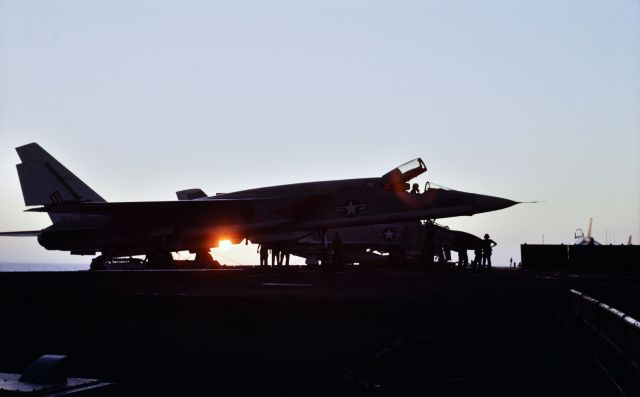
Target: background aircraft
{"points": [[581, 239], [84, 223], [371, 244], [366, 244]]}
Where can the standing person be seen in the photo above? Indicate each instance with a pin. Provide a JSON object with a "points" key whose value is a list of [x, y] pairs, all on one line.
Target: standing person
{"points": [[274, 256], [427, 247], [280, 257], [487, 249], [463, 259], [477, 259], [336, 244], [264, 255]]}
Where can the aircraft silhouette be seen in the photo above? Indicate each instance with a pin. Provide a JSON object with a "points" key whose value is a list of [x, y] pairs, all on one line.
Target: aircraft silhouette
{"points": [[392, 243], [581, 239], [84, 223]]}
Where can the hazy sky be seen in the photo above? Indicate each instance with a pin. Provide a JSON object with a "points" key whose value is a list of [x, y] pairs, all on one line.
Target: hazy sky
{"points": [[527, 100]]}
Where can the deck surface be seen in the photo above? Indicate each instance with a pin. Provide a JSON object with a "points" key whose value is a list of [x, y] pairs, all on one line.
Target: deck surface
{"points": [[253, 332]]}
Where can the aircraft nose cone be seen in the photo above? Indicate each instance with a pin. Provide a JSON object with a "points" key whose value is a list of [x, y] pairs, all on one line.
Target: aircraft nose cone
{"points": [[491, 203]]}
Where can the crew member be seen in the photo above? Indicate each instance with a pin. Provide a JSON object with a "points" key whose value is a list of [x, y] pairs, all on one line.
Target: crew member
{"points": [[264, 255], [336, 244], [427, 248], [487, 249], [463, 259], [274, 256], [280, 257], [477, 259]]}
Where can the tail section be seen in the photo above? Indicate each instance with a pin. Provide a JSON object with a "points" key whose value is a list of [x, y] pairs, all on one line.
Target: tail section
{"points": [[45, 181]]}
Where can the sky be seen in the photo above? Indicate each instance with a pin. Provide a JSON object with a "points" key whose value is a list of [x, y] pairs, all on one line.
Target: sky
{"points": [[528, 100]]}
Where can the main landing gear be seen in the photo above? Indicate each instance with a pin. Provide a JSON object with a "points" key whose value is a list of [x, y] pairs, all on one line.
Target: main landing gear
{"points": [[160, 260], [116, 263], [156, 260]]}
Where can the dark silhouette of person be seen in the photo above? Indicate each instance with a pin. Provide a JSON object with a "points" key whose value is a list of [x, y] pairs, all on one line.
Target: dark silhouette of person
{"points": [[415, 189], [487, 249], [427, 248], [338, 247], [283, 257], [463, 259], [442, 256], [264, 255], [477, 259], [280, 256]]}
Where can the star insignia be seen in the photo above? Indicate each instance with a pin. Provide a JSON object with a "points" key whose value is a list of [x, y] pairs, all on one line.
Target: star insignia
{"points": [[388, 234], [351, 208]]}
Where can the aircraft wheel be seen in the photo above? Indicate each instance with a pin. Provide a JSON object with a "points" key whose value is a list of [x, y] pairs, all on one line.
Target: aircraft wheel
{"points": [[97, 263], [203, 256], [160, 260]]}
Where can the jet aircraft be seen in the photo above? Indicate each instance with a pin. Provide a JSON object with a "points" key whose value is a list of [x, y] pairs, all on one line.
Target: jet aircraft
{"points": [[581, 239], [84, 223], [383, 243]]}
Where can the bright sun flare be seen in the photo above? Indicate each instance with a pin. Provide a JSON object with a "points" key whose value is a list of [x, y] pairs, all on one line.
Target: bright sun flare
{"points": [[224, 244]]}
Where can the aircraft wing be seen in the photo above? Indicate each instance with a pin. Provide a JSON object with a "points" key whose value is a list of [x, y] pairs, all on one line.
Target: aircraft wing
{"points": [[231, 207], [161, 211]]}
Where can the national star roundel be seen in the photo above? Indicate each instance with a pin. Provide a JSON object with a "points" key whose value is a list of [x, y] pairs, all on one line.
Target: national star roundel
{"points": [[389, 234], [351, 208]]}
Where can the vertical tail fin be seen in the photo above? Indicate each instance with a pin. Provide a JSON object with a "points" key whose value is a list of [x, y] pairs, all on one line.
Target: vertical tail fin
{"points": [[45, 181]]}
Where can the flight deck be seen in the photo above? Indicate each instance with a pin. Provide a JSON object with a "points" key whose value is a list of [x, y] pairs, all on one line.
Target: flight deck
{"points": [[263, 332]]}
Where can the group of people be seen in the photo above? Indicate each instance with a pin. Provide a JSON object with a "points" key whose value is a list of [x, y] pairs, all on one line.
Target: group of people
{"points": [[482, 252], [279, 256]]}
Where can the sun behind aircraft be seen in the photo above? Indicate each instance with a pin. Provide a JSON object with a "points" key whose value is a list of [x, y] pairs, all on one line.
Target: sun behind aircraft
{"points": [[84, 223]]}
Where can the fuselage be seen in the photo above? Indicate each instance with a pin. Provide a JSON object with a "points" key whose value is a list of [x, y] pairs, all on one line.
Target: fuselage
{"points": [[286, 209]]}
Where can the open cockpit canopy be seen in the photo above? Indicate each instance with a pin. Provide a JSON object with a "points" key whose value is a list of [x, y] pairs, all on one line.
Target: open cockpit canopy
{"points": [[397, 179]]}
